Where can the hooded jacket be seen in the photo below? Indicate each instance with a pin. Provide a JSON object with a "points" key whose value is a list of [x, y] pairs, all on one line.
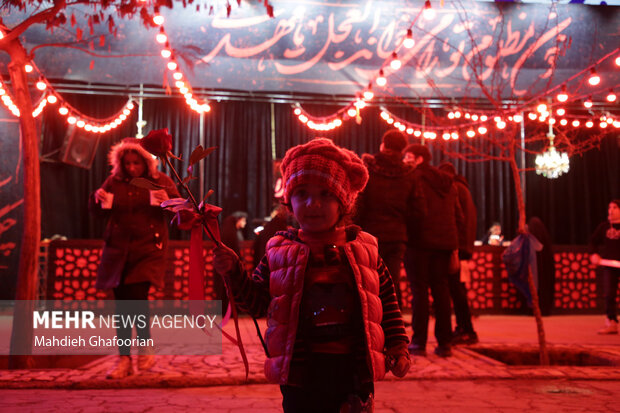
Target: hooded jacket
{"points": [[389, 198], [439, 230], [136, 233]]}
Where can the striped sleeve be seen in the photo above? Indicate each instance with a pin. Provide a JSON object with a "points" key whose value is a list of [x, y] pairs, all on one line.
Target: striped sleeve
{"points": [[251, 293], [392, 322]]}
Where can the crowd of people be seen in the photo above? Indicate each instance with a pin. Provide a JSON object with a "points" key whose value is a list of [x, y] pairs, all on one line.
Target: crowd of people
{"points": [[330, 285]]}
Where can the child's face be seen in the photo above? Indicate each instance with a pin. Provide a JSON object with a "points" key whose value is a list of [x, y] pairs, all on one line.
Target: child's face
{"points": [[315, 208]]}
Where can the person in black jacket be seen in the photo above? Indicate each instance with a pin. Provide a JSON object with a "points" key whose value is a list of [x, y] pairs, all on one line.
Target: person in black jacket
{"points": [[389, 196], [432, 242], [464, 332], [605, 244]]}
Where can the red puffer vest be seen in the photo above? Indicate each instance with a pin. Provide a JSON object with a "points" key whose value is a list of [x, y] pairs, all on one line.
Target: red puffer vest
{"points": [[287, 263]]}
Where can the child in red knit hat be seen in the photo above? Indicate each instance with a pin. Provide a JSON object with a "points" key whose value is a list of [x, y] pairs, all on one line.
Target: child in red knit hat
{"points": [[334, 325]]}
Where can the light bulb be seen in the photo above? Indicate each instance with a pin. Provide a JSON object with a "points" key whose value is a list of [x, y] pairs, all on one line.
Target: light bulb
{"points": [[409, 42], [562, 96], [381, 80], [395, 63], [611, 97], [594, 78], [428, 12], [588, 103]]}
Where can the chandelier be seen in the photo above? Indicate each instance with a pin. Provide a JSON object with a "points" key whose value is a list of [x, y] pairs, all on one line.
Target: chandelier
{"points": [[551, 163]]}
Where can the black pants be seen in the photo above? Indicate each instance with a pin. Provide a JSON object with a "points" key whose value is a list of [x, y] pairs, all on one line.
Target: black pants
{"points": [[429, 269], [329, 380], [139, 294], [392, 254], [610, 288], [458, 293]]}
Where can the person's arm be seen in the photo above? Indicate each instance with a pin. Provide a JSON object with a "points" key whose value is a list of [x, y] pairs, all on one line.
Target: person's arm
{"points": [[392, 322], [396, 352], [251, 293], [99, 196], [597, 238]]}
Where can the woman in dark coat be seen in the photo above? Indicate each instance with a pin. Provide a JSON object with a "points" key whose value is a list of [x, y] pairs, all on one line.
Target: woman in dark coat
{"points": [[136, 237]]}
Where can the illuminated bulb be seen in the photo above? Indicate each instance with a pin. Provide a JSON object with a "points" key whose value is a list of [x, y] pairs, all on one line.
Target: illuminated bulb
{"points": [[63, 111], [611, 97], [368, 95], [617, 58], [457, 114], [52, 99], [497, 119], [184, 91], [88, 127], [80, 123], [122, 116], [563, 122], [187, 95], [409, 42], [360, 104], [562, 96], [552, 121], [351, 112], [177, 75], [96, 129], [179, 84], [588, 103], [575, 123], [130, 105], [166, 53], [126, 112], [395, 63], [41, 85], [560, 112], [303, 118], [609, 121], [517, 118], [158, 19], [483, 118], [297, 111], [71, 120], [402, 127], [471, 133], [617, 124], [446, 136], [28, 68], [397, 124], [603, 125], [594, 78], [451, 115], [467, 115], [474, 117], [409, 131], [384, 115], [589, 124], [501, 124], [206, 107], [337, 122], [381, 80], [532, 116], [482, 130], [172, 65], [432, 135], [541, 108], [454, 135], [417, 133], [428, 12], [161, 37]]}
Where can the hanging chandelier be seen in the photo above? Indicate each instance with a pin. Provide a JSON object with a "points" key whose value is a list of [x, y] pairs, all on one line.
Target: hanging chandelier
{"points": [[551, 163]]}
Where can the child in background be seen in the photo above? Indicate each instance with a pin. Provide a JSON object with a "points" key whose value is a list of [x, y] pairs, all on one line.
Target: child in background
{"points": [[334, 322]]}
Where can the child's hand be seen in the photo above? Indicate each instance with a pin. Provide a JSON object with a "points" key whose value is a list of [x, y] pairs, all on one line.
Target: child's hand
{"points": [[224, 260], [397, 360]]}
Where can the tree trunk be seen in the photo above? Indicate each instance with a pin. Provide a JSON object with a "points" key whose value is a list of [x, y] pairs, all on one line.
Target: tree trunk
{"points": [[542, 343], [21, 336]]}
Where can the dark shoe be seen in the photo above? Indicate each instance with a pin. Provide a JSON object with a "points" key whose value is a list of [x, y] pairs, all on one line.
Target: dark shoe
{"points": [[464, 338], [443, 351], [417, 349]]}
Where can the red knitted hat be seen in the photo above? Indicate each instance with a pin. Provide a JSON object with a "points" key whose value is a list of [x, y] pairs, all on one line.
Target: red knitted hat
{"points": [[320, 161]]}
